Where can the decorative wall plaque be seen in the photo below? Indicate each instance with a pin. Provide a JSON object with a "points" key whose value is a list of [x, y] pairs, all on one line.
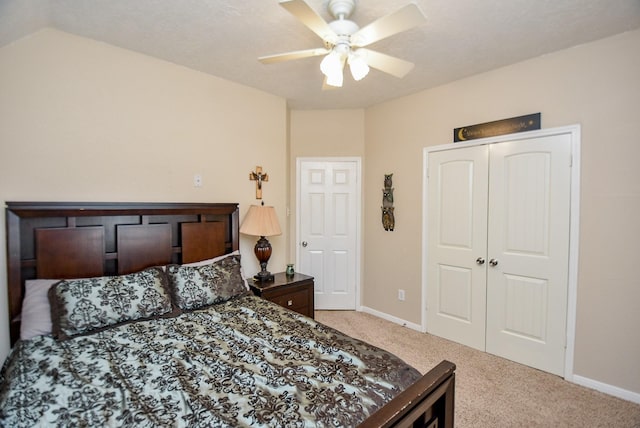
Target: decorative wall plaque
{"points": [[498, 127]]}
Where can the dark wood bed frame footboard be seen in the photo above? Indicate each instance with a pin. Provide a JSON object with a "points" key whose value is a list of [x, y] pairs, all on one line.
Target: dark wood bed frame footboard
{"points": [[56, 240], [427, 403]]}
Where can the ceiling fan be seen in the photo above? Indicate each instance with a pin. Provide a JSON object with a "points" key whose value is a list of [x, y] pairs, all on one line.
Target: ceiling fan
{"points": [[344, 41]]}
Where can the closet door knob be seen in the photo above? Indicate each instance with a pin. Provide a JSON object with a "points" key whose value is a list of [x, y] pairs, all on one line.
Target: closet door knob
{"points": [[304, 243], [493, 262], [480, 260]]}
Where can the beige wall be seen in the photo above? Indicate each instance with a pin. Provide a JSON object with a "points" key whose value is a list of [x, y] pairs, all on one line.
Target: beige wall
{"points": [[596, 85], [327, 133], [85, 121], [322, 134]]}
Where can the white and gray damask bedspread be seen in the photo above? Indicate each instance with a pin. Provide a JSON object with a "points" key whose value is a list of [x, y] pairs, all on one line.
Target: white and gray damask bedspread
{"points": [[246, 362]]}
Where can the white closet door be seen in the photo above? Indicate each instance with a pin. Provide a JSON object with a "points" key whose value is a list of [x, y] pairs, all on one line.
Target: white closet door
{"points": [[457, 236], [505, 204], [529, 201]]}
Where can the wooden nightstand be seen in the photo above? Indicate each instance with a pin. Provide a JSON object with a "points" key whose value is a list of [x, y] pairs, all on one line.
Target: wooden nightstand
{"points": [[292, 292]]}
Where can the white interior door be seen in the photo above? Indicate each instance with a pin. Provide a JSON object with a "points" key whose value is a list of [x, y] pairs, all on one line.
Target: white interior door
{"points": [[529, 218], [328, 218], [457, 230]]}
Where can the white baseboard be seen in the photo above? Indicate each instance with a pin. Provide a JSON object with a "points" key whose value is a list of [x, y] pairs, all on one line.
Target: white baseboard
{"points": [[391, 318], [634, 397]]}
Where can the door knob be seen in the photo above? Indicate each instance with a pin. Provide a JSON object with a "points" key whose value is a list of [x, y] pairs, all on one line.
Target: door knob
{"points": [[480, 260], [304, 243], [493, 262]]}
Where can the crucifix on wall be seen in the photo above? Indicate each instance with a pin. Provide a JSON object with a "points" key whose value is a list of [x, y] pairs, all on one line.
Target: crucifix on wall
{"points": [[258, 176]]}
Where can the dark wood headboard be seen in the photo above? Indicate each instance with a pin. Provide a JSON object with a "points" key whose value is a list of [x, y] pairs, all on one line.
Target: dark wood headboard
{"points": [[58, 240]]}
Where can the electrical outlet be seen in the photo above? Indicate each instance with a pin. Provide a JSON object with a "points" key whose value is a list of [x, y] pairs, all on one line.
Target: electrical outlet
{"points": [[197, 180], [401, 295]]}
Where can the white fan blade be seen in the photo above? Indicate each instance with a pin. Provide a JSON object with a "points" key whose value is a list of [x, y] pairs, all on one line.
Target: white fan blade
{"points": [[403, 19], [270, 59], [310, 18], [389, 64]]}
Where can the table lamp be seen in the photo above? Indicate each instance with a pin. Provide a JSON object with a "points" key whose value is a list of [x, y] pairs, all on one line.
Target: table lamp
{"points": [[261, 221]]}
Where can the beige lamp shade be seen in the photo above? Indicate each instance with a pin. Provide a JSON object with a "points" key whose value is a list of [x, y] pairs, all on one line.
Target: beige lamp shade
{"points": [[260, 220]]}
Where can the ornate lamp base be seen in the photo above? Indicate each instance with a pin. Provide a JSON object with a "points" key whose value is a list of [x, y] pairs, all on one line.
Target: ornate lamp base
{"points": [[262, 251]]}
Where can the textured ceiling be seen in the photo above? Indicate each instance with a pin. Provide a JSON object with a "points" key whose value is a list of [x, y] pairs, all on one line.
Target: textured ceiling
{"points": [[224, 38]]}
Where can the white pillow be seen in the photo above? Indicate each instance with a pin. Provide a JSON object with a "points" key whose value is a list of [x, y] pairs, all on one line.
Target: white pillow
{"points": [[209, 261], [36, 311]]}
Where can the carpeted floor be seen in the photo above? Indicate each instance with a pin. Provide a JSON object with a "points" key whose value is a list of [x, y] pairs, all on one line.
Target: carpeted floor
{"points": [[492, 391]]}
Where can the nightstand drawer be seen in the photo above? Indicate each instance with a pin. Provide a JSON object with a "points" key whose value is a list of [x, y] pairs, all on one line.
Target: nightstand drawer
{"points": [[291, 292], [294, 300]]}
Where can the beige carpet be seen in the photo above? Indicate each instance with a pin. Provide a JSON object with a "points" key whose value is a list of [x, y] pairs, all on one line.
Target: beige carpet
{"points": [[492, 391]]}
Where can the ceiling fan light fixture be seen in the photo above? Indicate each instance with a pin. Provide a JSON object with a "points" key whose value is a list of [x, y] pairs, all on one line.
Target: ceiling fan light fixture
{"points": [[358, 66], [335, 80], [331, 66]]}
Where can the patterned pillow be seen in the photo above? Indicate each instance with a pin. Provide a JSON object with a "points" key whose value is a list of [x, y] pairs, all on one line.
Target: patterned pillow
{"points": [[81, 306], [193, 287]]}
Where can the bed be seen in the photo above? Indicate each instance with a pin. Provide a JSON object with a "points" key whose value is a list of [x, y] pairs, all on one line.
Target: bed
{"points": [[178, 340]]}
